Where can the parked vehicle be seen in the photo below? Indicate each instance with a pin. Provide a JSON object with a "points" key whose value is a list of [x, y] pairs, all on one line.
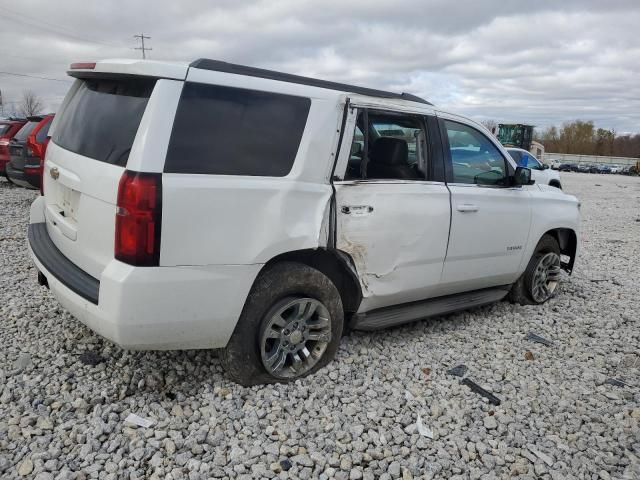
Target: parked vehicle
{"points": [[24, 167], [540, 172], [36, 148], [263, 213], [583, 168], [568, 167], [555, 164], [615, 168], [8, 129]]}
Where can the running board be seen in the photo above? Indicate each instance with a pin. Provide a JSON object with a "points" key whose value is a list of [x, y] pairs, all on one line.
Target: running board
{"points": [[409, 312]]}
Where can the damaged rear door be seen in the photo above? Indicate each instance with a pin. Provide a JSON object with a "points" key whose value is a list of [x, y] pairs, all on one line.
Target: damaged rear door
{"points": [[392, 205]]}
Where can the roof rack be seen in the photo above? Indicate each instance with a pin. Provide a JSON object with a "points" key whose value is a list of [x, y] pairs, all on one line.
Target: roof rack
{"points": [[226, 67]]}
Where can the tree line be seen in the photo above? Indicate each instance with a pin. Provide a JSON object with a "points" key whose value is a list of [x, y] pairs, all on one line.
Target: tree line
{"points": [[29, 104], [583, 138]]}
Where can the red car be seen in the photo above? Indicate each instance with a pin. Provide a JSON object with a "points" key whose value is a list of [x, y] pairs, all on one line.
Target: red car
{"points": [[27, 153], [8, 128]]}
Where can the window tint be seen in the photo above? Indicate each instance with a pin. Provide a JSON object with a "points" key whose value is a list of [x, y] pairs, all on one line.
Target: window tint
{"points": [[100, 121], [474, 157], [396, 147], [25, 131], [41, 136], [232, 131]]}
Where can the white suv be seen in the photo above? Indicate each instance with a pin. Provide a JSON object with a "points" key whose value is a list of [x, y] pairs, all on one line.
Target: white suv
{"points": [[540, 172], [214, 205]]}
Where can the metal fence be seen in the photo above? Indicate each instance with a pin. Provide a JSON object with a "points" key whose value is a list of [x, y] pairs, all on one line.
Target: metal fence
{"points": [[597, 159]]}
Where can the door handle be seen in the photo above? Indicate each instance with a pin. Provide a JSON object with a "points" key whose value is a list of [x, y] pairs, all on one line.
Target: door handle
{"points": [[357, 209], [467, 207]]}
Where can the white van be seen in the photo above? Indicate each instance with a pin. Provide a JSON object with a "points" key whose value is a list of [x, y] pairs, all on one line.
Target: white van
{"points": [[213, 205]]}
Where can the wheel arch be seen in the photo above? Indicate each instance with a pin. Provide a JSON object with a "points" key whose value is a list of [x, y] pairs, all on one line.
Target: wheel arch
{"points": [[555, 183], [335, 264], [568, 241]]}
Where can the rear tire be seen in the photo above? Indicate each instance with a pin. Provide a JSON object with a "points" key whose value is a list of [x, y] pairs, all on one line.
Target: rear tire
{"points": [[290, 327], [541, 279]]}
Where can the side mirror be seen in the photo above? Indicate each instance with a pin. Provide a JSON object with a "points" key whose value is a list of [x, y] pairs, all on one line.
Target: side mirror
{"points": [[522, 176], [545, 166]]}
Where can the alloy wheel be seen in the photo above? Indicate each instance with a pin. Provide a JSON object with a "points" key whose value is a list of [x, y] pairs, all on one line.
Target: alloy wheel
{"points": [[295, 337]]}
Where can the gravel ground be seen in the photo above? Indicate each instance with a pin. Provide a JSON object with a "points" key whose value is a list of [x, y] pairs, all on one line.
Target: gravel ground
{"points": [[63, 410]]}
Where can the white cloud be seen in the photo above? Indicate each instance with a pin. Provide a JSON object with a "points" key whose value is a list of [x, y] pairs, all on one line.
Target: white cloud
{"points": [[542, 62]]}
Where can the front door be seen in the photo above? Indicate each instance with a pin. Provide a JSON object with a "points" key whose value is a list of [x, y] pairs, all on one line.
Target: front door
{"points": [[392, 211], [490, 220]]}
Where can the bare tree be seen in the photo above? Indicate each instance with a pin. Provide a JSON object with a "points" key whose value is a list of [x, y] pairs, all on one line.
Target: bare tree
{"points": [[490, 125], [30, 104]]}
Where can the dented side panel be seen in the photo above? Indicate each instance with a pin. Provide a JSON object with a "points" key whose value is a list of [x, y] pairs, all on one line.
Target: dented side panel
{"points": [[396, 232]]}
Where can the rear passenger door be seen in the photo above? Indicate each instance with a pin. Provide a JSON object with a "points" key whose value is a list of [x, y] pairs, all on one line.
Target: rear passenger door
{"points": [[392, 205], [490, 219]]}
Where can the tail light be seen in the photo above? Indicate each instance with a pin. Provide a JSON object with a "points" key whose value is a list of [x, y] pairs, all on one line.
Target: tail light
{"points": [[138, 219]]}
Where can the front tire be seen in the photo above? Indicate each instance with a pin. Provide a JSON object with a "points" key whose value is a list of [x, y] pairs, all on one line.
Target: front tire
{"points": [[541, 279], [289, 328]]}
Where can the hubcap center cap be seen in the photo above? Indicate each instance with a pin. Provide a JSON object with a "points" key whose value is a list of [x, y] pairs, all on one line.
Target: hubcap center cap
{"points": [[295, 337]]}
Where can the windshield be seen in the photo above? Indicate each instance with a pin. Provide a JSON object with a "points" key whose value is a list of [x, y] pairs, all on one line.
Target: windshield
{"points": [[102, 117]]}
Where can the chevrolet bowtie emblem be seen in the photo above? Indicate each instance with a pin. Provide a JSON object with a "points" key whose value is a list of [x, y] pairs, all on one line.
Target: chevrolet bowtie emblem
{"points": [[54, 173]]}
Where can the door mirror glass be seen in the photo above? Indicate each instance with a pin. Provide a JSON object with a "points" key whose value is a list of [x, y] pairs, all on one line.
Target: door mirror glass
{"points": [[545, 166], [522, 176]]}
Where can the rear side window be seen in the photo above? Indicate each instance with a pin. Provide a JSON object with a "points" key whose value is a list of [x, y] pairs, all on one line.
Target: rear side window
{"points": [[4, 128], [41, 136], [100, 121], [233, 131], [25, 131]]}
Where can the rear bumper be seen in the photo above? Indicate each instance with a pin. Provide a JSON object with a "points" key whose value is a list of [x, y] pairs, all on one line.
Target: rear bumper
{"points": [[147, 308]]}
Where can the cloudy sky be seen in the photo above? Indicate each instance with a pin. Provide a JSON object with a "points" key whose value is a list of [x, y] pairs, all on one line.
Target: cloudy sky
{"points": [[542, 62]]}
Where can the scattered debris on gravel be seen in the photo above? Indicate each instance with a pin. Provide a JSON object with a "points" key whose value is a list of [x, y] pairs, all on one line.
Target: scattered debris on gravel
{"points": [[67, 397]]}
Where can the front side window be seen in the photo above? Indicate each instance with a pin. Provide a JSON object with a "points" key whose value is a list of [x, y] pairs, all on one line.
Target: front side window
{"points": [[234, 131], [475, 159], [396, 147], [532, 163], [516, 155]]}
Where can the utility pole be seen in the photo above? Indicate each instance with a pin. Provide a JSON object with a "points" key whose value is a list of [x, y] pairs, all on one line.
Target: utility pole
{"points": [[142, 37]]}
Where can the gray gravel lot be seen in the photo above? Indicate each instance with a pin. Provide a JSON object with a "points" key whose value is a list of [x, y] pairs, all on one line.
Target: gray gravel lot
{"points": [[62, 417]]}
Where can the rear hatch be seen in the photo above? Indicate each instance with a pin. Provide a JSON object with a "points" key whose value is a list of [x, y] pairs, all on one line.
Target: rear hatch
{"points": [[92, 137], [17, 145]]}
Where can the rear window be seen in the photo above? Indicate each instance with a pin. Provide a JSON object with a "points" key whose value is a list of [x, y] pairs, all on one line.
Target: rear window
{"points": [[102, 117], [25, 131], [233, 131]]}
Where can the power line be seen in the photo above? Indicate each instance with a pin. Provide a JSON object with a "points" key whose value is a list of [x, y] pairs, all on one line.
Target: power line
{"points": [[142, 37], [57, 29], [35, 76]]}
